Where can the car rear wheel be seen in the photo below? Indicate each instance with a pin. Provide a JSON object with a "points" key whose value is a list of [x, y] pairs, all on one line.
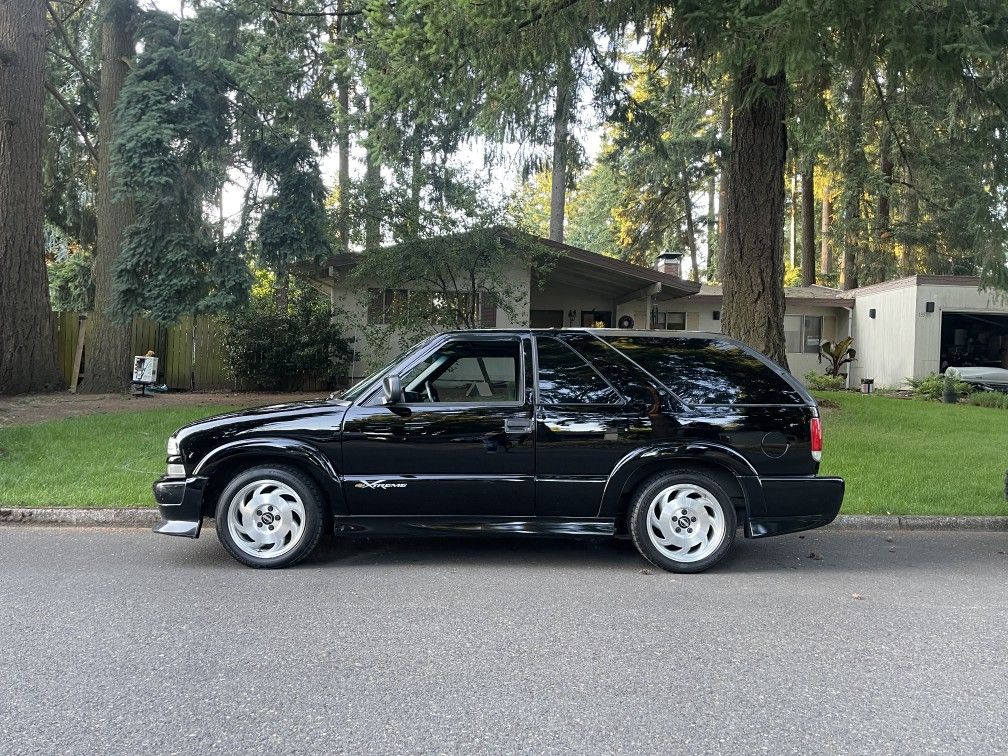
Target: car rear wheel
{"points": [[270, 516], [682, 521]]}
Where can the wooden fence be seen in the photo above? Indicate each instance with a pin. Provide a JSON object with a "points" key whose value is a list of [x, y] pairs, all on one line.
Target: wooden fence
{"points": [[190, 355]]}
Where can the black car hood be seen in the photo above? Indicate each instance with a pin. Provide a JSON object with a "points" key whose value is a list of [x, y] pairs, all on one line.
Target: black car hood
{"points": [[323, 415]]}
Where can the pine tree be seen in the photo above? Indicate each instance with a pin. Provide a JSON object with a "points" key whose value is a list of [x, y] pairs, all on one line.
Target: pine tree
{"points": [[27, 360]]}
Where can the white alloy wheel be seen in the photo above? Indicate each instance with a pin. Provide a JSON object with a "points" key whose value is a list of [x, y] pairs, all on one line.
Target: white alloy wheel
{"points": [[266, 519], [685, 522]]}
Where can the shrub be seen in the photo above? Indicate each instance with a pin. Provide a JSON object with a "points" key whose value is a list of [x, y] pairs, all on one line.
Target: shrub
{"points": [[993, 399], [274, 351], [818, 382], [930, 387]]}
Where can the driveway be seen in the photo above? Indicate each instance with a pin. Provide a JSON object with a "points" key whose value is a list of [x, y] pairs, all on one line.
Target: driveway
{"points": [[120, 641]]}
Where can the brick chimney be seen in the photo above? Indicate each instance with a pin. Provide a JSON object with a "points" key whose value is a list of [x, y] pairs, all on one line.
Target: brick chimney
{"points": [[670, 263]]}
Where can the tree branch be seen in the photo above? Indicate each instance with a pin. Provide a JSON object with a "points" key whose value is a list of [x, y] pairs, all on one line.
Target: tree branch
{"points": [[74, 57], [73, 117], [317, 14], [892, 127]]}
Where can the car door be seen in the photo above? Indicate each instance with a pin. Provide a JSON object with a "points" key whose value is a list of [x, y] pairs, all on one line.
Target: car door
{"points": [[461, 443], [584, 424]]}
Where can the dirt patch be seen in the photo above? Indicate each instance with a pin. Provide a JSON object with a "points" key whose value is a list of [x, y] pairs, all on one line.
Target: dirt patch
{"points": [[36, 408]]}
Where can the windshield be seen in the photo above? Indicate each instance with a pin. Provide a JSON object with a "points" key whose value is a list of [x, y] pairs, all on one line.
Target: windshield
{"points": [[352, 393]]}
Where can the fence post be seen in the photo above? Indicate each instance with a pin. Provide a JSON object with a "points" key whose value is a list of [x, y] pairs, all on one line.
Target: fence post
{"points": [[78, 352]]}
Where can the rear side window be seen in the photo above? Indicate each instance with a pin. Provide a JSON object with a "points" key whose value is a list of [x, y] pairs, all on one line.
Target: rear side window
{"points": [[707, 370], [565, 378]]}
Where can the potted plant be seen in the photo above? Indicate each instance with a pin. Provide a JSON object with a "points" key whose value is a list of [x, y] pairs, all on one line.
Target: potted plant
{"points": [[949, 393], [838, 355]]}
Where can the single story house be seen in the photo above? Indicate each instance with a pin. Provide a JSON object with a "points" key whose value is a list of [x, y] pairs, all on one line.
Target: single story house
{"points": [[901, 329]]}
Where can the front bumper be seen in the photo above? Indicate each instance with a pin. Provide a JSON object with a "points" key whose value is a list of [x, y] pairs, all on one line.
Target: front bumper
{"points": [[795, 503], [180, 502]]}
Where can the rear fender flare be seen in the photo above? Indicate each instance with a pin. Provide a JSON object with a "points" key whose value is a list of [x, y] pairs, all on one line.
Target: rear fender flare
{"points": [[673, 454]]}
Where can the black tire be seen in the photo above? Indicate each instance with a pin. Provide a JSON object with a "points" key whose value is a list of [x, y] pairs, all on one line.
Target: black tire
{"points": [[311, 524], [641, 529]]}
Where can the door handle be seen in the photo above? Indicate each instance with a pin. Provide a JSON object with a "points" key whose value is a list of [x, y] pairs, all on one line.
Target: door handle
{"points": [[517, 425]]}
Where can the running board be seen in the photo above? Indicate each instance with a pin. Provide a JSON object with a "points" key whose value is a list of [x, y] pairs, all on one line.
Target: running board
{"points": [[348, 525]]}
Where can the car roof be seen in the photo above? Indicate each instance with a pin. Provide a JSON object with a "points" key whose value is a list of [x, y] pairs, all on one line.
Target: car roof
{"points": [[598, 332]]}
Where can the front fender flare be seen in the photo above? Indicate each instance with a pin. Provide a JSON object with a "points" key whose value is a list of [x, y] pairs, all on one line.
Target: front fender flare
{"points": [[677, 452], [284, 448]]}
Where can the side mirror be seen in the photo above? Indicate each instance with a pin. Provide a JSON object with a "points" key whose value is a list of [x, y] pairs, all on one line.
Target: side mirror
{"points": [[393, 389]]}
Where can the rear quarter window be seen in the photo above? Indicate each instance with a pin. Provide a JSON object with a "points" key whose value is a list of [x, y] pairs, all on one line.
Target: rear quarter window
{"points": [[707, 370]]}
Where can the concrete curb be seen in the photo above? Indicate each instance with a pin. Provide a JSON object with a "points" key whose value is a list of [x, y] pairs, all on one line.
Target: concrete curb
{"points": [[136, 517], [917, 522], [143, 517]]}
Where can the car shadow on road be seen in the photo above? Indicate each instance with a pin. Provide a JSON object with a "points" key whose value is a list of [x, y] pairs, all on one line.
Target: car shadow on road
{"points": [[814, 551]]}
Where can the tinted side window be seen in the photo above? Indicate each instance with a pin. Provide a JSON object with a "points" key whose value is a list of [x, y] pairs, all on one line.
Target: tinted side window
{"points": [[565, 378], [465, 371], [707, 370]]}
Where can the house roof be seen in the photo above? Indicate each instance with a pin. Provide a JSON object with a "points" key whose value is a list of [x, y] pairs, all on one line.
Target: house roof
{"points": [[580, 267], [972, 282], [823, 296]]}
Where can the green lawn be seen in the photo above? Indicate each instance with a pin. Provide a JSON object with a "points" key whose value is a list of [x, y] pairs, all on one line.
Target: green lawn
{"points": [[105, 460], [898, 456], [902, 456]]}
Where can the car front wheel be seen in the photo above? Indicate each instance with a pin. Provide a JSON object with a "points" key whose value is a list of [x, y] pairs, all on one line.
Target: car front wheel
{"points": [[682, 521], [270, 516]]}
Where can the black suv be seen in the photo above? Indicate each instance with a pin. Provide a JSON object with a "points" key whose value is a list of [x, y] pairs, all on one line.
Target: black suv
{"points": [[671, 440]]}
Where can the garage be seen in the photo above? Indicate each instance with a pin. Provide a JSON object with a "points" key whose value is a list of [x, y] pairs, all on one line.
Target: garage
{"points": [[974, 339]]}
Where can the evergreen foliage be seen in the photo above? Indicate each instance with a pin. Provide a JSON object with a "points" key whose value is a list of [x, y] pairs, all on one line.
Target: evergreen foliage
{"points": [[169, 156]]}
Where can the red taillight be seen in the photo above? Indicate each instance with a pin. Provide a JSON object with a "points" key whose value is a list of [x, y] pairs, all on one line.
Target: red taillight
{"points": [[815, 428]]}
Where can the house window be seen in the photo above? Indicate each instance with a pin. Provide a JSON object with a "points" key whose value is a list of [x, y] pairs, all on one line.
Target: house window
{"points": [[671, 321], [384, 305], [813, 333], [802, 334]]}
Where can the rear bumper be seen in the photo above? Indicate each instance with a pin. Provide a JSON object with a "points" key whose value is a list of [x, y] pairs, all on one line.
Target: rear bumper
{"points": [[180, 502], [796, 503]]}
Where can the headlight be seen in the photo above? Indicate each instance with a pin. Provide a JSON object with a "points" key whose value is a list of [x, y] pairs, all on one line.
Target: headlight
{"points": [[173, 447]]}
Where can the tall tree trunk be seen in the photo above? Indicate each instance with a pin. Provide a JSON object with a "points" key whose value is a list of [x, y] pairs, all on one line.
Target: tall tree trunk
{"points": [[726, 114], [711, 225], [825, 259], [372, 198], [561, 125], [853, 179], [281, 289], [752, 261], [793, 219], [691, 242], [808, 224], [343, 146], [884, 219], [107, 361], [27, 353], [909, 263], [416, 182]]}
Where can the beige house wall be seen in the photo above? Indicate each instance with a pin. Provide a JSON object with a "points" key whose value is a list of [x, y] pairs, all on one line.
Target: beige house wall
{"points": [[885, 343]]}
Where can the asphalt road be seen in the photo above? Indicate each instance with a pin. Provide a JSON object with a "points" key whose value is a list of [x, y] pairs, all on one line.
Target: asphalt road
{"points": [[121, 641]]}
